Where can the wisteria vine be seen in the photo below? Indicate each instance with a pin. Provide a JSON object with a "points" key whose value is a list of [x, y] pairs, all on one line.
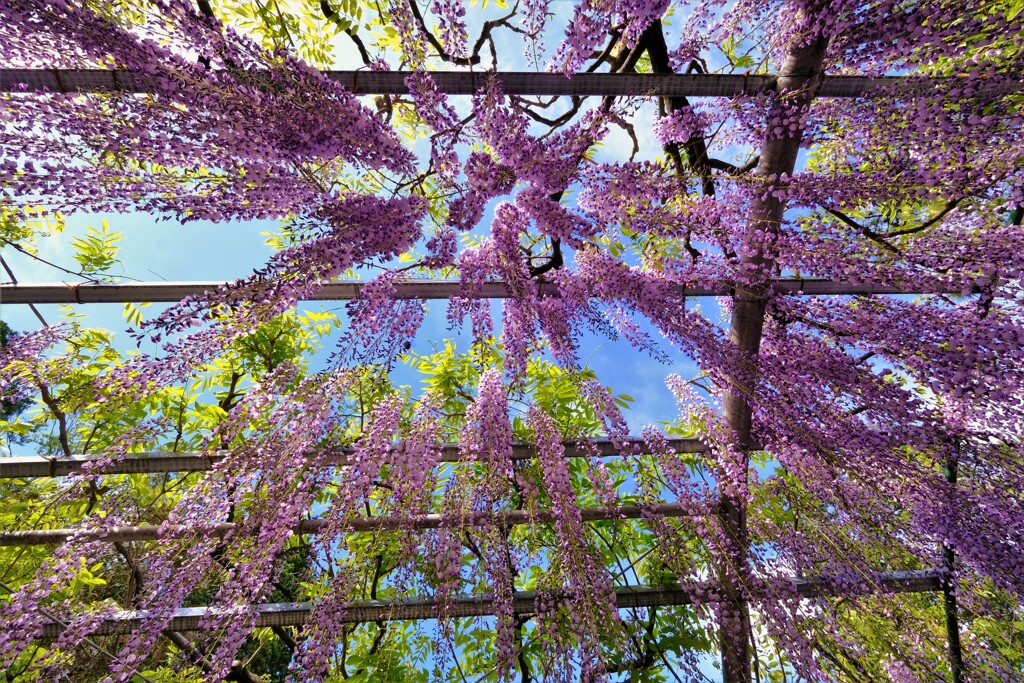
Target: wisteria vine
{"points": [[842, 438]]}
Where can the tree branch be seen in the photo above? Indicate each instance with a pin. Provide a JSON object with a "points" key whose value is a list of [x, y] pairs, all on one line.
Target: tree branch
{"points": [[602, 57], [485, 35], [555, 261], [928, 223], [732, 169], [61, 417], [554, 123], [329, 13], [696, 148], [205, 9], [436, 44], [864, 230]]}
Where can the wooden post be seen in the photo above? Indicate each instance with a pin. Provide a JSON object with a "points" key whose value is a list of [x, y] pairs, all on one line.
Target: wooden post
{"points": [[956, 659]]}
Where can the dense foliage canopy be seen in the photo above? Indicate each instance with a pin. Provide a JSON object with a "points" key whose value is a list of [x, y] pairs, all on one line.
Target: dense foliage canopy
{"points": [[839, 445]]}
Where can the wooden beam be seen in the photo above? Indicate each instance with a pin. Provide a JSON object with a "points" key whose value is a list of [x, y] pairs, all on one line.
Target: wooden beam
{"points": [[125, 534], [164, 292], [359, 611], [159, 462], [518, 83]]}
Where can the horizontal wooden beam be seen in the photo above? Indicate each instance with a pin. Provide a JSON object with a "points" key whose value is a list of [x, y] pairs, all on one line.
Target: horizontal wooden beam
{"points": [[523, 603], [514, 83], [125, 534], [164, 292], [18, 467]]}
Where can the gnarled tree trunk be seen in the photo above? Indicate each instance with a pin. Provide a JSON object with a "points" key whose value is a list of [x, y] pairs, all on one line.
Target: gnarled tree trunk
{"points": [[800, 75]]}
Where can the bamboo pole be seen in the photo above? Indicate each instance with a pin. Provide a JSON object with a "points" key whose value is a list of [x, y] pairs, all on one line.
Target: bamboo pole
{"points": [[359, 611]]}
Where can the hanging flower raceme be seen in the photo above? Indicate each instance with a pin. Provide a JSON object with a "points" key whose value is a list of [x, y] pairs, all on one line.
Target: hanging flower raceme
{"points": [[369, 456], [548, 164], [486, 439], [354, 230], [225, 131], [238, 115], [732, 477], [864, 408], [20, 357], [294, 459], [432, 106], [485, 179], [681, 126], [593, 19], [591, 595], [21, 611], [382, 326]]}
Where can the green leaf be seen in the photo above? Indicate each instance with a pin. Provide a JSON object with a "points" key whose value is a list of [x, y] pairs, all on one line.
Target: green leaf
{"points": [[96, 252]]}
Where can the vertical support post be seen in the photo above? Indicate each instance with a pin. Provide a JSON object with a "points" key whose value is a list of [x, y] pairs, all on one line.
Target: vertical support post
{"points": [[956, 658]]}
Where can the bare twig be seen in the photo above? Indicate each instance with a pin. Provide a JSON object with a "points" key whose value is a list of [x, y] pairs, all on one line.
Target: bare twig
{"points": [[528, 109], [32, 307], [22, 250]]}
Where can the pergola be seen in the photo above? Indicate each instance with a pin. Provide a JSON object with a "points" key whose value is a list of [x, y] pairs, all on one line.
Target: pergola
{"points": [[800, 77]]}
